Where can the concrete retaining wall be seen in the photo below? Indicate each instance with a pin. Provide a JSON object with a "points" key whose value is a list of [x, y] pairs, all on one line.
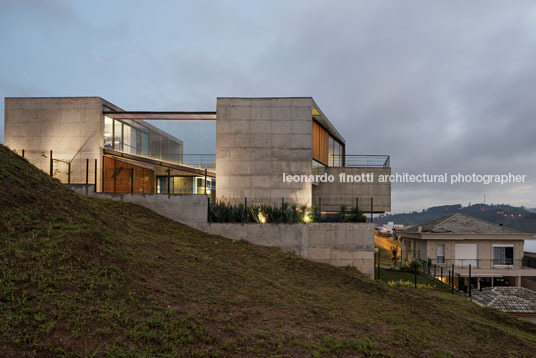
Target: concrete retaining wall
{"points": [[187, 209], [339, 244]]}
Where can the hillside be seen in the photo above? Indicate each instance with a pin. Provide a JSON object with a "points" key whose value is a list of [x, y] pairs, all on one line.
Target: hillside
{"points": [[518, 218], [87, 277]]}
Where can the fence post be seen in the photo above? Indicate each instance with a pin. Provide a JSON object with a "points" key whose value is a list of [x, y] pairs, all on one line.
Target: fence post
{"points": [[87, 172], [441, 269], [95, 175], [245, 209], [449, 279], [168, 180], [452, 289], [23, 153], [208, 210], [205, 181], [131, 180], [469, 282], [69, 174], [415, 273], [371, 209], [379, 261], [319, 209], [51, 165]]}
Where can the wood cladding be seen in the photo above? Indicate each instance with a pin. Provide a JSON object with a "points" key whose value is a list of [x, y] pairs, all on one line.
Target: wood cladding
{"points": [[121, 177], [320, 144]]}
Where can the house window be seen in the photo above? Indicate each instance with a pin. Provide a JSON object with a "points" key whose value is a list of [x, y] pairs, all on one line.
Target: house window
{"points": [[503, 255], [441, 253], [108, 132]]}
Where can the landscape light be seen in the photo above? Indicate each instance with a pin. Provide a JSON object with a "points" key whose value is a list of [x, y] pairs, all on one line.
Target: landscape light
{"points": [[262, 218]]}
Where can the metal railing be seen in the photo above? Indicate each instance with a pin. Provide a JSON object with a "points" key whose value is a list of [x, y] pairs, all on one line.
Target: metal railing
{"points": [[200, 161], [355, 161], [502, 263]]}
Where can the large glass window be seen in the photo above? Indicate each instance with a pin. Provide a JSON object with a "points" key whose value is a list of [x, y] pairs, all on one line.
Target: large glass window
{"points": [[503, 255], [187, 142], [330, 151], [336, 154], [118, 136], [129, 139]]}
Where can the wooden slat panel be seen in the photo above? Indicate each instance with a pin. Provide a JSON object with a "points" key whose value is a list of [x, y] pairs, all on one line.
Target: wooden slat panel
{"points": [[118, 177], [320, 144]]}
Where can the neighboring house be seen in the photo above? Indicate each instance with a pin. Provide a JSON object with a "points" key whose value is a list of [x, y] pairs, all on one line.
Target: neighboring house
{"points": [[246, 147], [389, 227], [458, 241]]}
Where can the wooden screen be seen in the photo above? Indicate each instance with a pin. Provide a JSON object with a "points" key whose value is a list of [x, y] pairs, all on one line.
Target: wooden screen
{"points": [[320, 144], [120, 177]]}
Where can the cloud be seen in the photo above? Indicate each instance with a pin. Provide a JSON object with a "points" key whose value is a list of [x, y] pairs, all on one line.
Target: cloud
{"points": [[441, 86]]}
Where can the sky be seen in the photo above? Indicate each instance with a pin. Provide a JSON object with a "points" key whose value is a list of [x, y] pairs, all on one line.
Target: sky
{"points": [[440, 86]]}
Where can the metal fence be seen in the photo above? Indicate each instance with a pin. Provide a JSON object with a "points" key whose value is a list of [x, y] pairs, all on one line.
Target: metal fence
{"points": [[76, 170]]}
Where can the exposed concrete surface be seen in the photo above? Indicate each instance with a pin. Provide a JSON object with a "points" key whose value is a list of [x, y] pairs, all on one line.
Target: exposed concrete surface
{"points": [[259, 139], [337, 193], [70, 127], [339, 244], [187, 209]]}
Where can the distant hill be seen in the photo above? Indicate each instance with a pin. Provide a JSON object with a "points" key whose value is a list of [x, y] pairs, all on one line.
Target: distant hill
{"points": [[519, 218]]}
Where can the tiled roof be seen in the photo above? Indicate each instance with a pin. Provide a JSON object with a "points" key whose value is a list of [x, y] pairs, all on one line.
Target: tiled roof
{"points": [[460, 224], [507, 299]]}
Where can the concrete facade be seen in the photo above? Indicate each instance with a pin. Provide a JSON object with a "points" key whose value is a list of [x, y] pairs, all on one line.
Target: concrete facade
{"points": [[338, 244], [333, 195], [258, 140], [71, 127]]}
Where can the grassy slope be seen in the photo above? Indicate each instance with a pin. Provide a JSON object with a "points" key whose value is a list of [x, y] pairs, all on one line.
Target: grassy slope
{"points": [[90, 277]]}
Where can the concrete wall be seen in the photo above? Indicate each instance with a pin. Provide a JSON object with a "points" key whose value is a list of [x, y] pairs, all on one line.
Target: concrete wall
{"points": [[188, 209], [337, 193], [70, 127], [258, 140], [342, 244], [339, 244]]}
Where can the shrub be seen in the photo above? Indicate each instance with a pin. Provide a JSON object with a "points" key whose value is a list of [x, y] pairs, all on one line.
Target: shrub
{"points": [[413, 266], [237, 213], [409, 284]]}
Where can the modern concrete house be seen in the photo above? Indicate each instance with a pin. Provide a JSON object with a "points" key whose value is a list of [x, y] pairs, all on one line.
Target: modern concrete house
{"points": [[243, 150], [247, 146], [456, 241]]}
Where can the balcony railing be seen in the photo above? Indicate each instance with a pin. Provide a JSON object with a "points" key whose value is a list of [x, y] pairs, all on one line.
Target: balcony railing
{"points": [[355, 161], [502, 263]]}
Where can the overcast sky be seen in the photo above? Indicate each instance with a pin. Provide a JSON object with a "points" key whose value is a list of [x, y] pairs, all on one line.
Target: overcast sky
{"points": [[440, 86]]}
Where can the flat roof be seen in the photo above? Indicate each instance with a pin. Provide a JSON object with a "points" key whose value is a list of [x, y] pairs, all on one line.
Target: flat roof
{"points": [[141, 115]]}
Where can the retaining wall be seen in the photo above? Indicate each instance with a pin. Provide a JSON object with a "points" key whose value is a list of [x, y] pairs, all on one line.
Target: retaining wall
{"points": [[339, 244]]}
